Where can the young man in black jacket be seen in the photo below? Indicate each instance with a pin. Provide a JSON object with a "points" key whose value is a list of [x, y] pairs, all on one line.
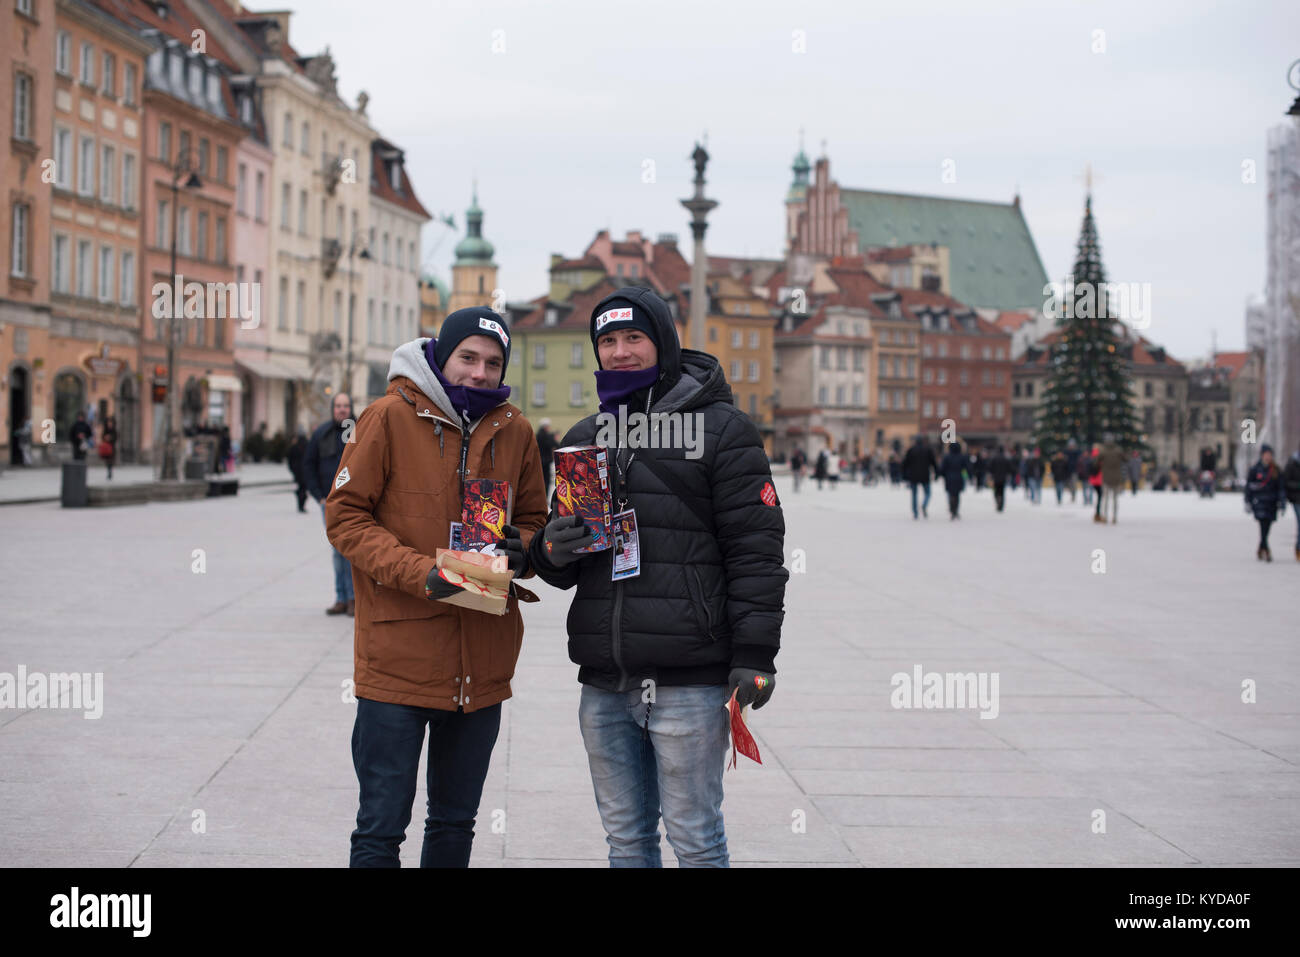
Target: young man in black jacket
{"points": [[662, 646], [320, 463]]}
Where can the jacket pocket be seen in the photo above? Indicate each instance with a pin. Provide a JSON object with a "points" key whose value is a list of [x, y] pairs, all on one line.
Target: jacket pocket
{"points": [[391, 604], [704, 616]]}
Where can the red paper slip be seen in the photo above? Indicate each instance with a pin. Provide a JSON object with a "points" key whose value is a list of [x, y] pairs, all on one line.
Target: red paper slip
{"points": [[741, 739]]}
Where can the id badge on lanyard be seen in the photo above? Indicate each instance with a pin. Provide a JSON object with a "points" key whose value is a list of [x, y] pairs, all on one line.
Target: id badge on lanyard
{"points": [[627, 546]]}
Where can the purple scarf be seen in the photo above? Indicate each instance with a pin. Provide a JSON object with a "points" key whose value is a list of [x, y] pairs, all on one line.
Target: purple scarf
{"points": [[615, 386], [466, 399]]}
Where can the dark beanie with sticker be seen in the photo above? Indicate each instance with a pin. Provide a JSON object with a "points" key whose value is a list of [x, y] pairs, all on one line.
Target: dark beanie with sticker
{"points": [[621, 313], [474, 321]]}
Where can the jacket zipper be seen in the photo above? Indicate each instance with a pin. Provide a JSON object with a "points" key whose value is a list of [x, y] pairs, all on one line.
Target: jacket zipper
{"points": [[704, 600]]}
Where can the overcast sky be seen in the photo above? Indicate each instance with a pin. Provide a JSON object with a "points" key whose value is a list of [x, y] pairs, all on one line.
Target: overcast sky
{"points": [[557, 126]]}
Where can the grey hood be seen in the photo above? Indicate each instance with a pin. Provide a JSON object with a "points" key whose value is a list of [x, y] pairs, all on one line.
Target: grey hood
{"points": [[408, 360]]}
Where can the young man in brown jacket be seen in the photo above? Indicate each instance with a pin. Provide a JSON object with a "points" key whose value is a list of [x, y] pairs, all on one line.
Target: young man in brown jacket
{"points": [[419, 660]]}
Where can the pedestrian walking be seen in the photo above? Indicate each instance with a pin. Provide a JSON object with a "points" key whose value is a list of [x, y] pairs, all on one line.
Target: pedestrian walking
{"points": [[1133, 469], [918, 464], [797, 463], [1072, 469], [1265, 498], [1111, 459], [108, 443], [822, 469], [1000, 468], [546, 446], [953, 468], [1084, 474], [225, 460], [1060, 473], [320, 465], [80, 436], [24, 440], [419, 661], [1094, 480], [661, 649], [297, 456], [1291, 488]]}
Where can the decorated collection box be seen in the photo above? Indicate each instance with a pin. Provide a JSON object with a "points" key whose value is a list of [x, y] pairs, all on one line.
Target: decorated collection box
{"points": [[582, 488]]}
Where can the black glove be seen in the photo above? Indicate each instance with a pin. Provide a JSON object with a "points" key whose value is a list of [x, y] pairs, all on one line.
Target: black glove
{"points": [[513, 547], [755, 687], [561, 539], [436, 588]]}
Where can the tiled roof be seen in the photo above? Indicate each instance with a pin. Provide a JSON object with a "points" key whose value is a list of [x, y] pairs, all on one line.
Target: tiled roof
{"points": [[586, 262], [669, 268], [1145, 352], [1234, 362], [381, 186], [627, 249], [579, 307], [994, 261], [1011, 321]]}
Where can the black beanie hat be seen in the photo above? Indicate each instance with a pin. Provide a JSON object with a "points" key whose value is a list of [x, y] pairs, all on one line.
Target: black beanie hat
{"points": [[474, 321], [621, 313]]}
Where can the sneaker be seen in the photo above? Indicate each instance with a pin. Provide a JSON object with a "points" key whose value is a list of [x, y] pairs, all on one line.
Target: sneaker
{"points": [[338, 608]]}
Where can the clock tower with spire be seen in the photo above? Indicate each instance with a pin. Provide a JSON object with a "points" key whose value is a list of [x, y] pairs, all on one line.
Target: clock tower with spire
{"points": [[473, 274]]}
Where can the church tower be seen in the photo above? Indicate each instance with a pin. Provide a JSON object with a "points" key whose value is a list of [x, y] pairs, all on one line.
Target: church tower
{"points": [[473, 274]]}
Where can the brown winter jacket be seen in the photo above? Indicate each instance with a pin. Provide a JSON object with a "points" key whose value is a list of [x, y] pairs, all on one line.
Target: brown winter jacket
{"points": [[1112, 463], [392, 501]]}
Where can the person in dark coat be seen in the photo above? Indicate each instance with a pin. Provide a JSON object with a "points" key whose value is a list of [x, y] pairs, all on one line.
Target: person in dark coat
{"points": [[1072, 473], [1060, 473], [999, 470], [223, 448], [918, 465], [798, 461], [821, 471], [320, 463], [297, 458], [108, 433], [81, 434], [661, 650], [953, 468], [1291, 487], [1265, 499], [546, 446]]}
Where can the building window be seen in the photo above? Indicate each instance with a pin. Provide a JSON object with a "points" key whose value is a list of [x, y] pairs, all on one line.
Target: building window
{"points": [[986, 410], [1029, 390], [85, 267], [927, 408], [735, 370], [110, 75], [839, 395], [128, 181], [943, 350], [203, 235], [884, 366], [300, 308], [165, 142], [63, 54], [943, 407], [223, 161], [282, 305], [998, 378], [857, 395], [821, 395], [259, 197], [286, 135], [736, 338], [1148, 390], [87, 65], [107, 173], [943, 377], [927, 376], [911, 400], [575, 393], [964, 377], [713, 333], [927, 350], [302, 212], [1015, 389], [575, 356], [1169, 390], [539, 356], [162, 225], [986, 353], [19, 236], [63, 158], [241, 189], [826, 357], [22, 106], [61, 269], [965, 409], [986, 377], [105, 273], [126, 284], [753, 338], [841, 357], [128, 84], [304, 145], [184, 240], [539, 393], [858, 353], [883, 400], [183, 145], [86, 168], [999, 409], [338, 311], [219, 241], [753, 372], [412, 260]]}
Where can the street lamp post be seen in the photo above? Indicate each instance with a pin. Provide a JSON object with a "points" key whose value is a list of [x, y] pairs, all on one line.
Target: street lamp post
{"points": [[171, 442], [355, 249]]}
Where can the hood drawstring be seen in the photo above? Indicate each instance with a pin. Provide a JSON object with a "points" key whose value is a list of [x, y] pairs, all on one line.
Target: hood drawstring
{"points": [[437, 430]]}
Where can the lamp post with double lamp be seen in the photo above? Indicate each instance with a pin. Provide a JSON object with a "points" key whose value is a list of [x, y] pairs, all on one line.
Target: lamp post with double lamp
{"points": [[355, 250], [171, 443]]}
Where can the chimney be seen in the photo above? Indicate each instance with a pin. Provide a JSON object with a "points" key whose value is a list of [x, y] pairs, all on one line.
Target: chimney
{"points": [[556, 258]]}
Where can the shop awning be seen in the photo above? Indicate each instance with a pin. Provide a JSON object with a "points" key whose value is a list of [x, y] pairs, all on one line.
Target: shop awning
{"points": [[265, 368], [224, 383]]}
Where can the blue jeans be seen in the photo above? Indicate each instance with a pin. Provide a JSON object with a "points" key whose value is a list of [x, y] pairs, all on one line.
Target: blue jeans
{"points": [[1296, 506], [342, 570], [926, 503], [386, 743], [674, 770]]}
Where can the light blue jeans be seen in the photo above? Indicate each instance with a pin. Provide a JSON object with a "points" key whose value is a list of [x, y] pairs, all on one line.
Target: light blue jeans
{"points": [[342, 570], [674, 769]]}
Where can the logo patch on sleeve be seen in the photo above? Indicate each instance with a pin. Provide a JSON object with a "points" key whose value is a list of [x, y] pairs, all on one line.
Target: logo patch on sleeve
{"points": [[342, 478], [768, 495]]}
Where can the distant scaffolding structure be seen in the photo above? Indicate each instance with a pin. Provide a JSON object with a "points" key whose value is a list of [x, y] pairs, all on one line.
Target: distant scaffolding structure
{"points": [[1273, 325]]}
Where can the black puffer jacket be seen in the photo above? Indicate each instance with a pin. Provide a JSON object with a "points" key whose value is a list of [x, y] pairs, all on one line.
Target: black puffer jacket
{"points": [[708, 598]]}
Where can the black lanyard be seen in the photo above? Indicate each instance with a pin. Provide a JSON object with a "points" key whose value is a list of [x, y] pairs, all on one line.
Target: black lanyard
{"points": [[620, 468]]}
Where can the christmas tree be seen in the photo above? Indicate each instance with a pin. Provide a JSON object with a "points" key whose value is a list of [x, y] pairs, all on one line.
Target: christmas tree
{"points": [[1087, 392]]}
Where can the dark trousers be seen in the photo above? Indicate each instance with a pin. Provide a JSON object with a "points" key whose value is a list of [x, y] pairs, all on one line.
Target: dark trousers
{"points": [[954, 502], [1264, 525], [386, 744], [302, 498], [999, 493]]}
